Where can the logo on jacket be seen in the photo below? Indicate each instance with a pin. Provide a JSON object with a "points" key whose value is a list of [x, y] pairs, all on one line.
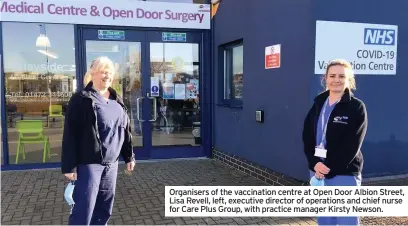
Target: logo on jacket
{"points": [[340, 119]]}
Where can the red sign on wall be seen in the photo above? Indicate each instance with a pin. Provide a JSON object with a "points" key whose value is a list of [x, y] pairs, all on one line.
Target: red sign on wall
{"points": [[272, 56]]}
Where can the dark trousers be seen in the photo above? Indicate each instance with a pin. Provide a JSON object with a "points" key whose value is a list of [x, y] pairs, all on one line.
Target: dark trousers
{"points": [[94, 194]]}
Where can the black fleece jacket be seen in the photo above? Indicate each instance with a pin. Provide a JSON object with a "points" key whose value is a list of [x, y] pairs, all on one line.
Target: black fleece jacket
{"points": [[81, 143], [346, 130]]}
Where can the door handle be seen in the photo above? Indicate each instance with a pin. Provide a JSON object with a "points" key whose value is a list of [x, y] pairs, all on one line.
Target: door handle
{"points": [[138, 109], [154, 108]]}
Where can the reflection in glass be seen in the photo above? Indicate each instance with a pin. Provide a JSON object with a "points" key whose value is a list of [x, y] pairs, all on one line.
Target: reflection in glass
{"points": [[127, 79], [233, 72], [175, 70], [39, 68], [237, 71]]}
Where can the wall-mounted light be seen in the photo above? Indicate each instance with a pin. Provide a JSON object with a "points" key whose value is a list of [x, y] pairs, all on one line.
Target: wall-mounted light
{"points": [[43, 40], [214, 8]]}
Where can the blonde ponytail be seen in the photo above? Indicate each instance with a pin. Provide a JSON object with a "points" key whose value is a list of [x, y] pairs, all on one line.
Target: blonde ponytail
{"points": [[87, 78]]}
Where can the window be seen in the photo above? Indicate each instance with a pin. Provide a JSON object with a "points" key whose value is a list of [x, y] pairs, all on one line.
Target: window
{"points": [[233, 73], [39, 70]]}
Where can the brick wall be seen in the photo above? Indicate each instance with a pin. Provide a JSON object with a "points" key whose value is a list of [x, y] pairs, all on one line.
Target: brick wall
{"points": [[260, 172], [277, 179]]}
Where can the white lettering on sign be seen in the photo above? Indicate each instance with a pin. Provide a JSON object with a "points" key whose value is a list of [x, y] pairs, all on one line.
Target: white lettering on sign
{"points": [[53, 67], [106, 12], [370, 48]]}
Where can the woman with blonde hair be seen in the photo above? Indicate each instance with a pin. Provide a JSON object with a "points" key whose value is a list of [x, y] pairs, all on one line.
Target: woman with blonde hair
{"points": [[96, 133], [334, 130]]}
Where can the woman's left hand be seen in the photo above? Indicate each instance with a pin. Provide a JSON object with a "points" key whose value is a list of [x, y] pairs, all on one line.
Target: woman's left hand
{"points": [[130, 166]]}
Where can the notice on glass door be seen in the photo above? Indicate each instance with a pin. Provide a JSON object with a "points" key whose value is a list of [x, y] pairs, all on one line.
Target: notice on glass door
{"points": [[179, 91], [192, 89], [168, 91], [154, 86]]}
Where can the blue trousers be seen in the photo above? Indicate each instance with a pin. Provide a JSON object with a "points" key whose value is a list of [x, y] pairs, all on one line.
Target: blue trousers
{"points": [[94, 194], [340, 181]]}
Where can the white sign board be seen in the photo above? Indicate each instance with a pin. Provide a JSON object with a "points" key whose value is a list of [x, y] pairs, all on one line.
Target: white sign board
{"points": [[154, 86], [179, 91], [108, 12], [370, 48]]}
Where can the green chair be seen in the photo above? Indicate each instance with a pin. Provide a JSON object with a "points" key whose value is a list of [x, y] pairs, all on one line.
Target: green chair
{"points": [[55, 111], [31, 132]]}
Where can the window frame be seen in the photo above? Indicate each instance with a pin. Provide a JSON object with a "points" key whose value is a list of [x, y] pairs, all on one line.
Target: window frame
{"points": [[225, 69]]}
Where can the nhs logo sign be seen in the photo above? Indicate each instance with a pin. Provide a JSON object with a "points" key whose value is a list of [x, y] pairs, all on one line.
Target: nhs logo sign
{"points": [[371, 48], [376, 36]]}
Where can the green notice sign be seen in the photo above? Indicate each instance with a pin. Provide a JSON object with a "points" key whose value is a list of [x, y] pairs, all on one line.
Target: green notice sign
{"points": [[111, 34], [174, 37]]}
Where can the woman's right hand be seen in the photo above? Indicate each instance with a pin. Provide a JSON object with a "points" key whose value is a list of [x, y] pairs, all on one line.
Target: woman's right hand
{"points": [[320, 168], [71, 176]]}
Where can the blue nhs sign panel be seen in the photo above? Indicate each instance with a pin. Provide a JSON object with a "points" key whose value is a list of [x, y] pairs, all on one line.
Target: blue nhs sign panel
{"points": [[376, 36]]}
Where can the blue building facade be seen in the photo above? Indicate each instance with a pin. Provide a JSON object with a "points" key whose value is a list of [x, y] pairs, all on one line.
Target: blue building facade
{"points": [[273, 150], [224, 64]]}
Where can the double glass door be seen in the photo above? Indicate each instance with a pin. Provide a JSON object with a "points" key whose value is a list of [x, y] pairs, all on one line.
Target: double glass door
{"points": [[159, 83]]}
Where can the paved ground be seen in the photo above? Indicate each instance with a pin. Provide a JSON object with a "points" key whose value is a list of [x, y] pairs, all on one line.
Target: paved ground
{"points": [[36, 197]]}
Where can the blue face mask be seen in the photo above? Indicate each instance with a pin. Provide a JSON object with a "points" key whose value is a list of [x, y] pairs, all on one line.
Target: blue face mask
{"points": [[68, 193], [316, 182]]}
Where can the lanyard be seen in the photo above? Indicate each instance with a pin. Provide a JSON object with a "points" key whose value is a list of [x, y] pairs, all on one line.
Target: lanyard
{"points": [[324, 123]]}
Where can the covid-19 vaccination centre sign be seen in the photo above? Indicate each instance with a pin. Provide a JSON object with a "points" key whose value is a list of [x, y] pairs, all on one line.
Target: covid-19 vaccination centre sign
{"points": [[370, 48], [108, 12]]}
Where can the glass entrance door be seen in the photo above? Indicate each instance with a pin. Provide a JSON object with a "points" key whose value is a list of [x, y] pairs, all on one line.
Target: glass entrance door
{"points": [[125, 50], [175, 70], [128, 79], [159, 83], [174, 75]]}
